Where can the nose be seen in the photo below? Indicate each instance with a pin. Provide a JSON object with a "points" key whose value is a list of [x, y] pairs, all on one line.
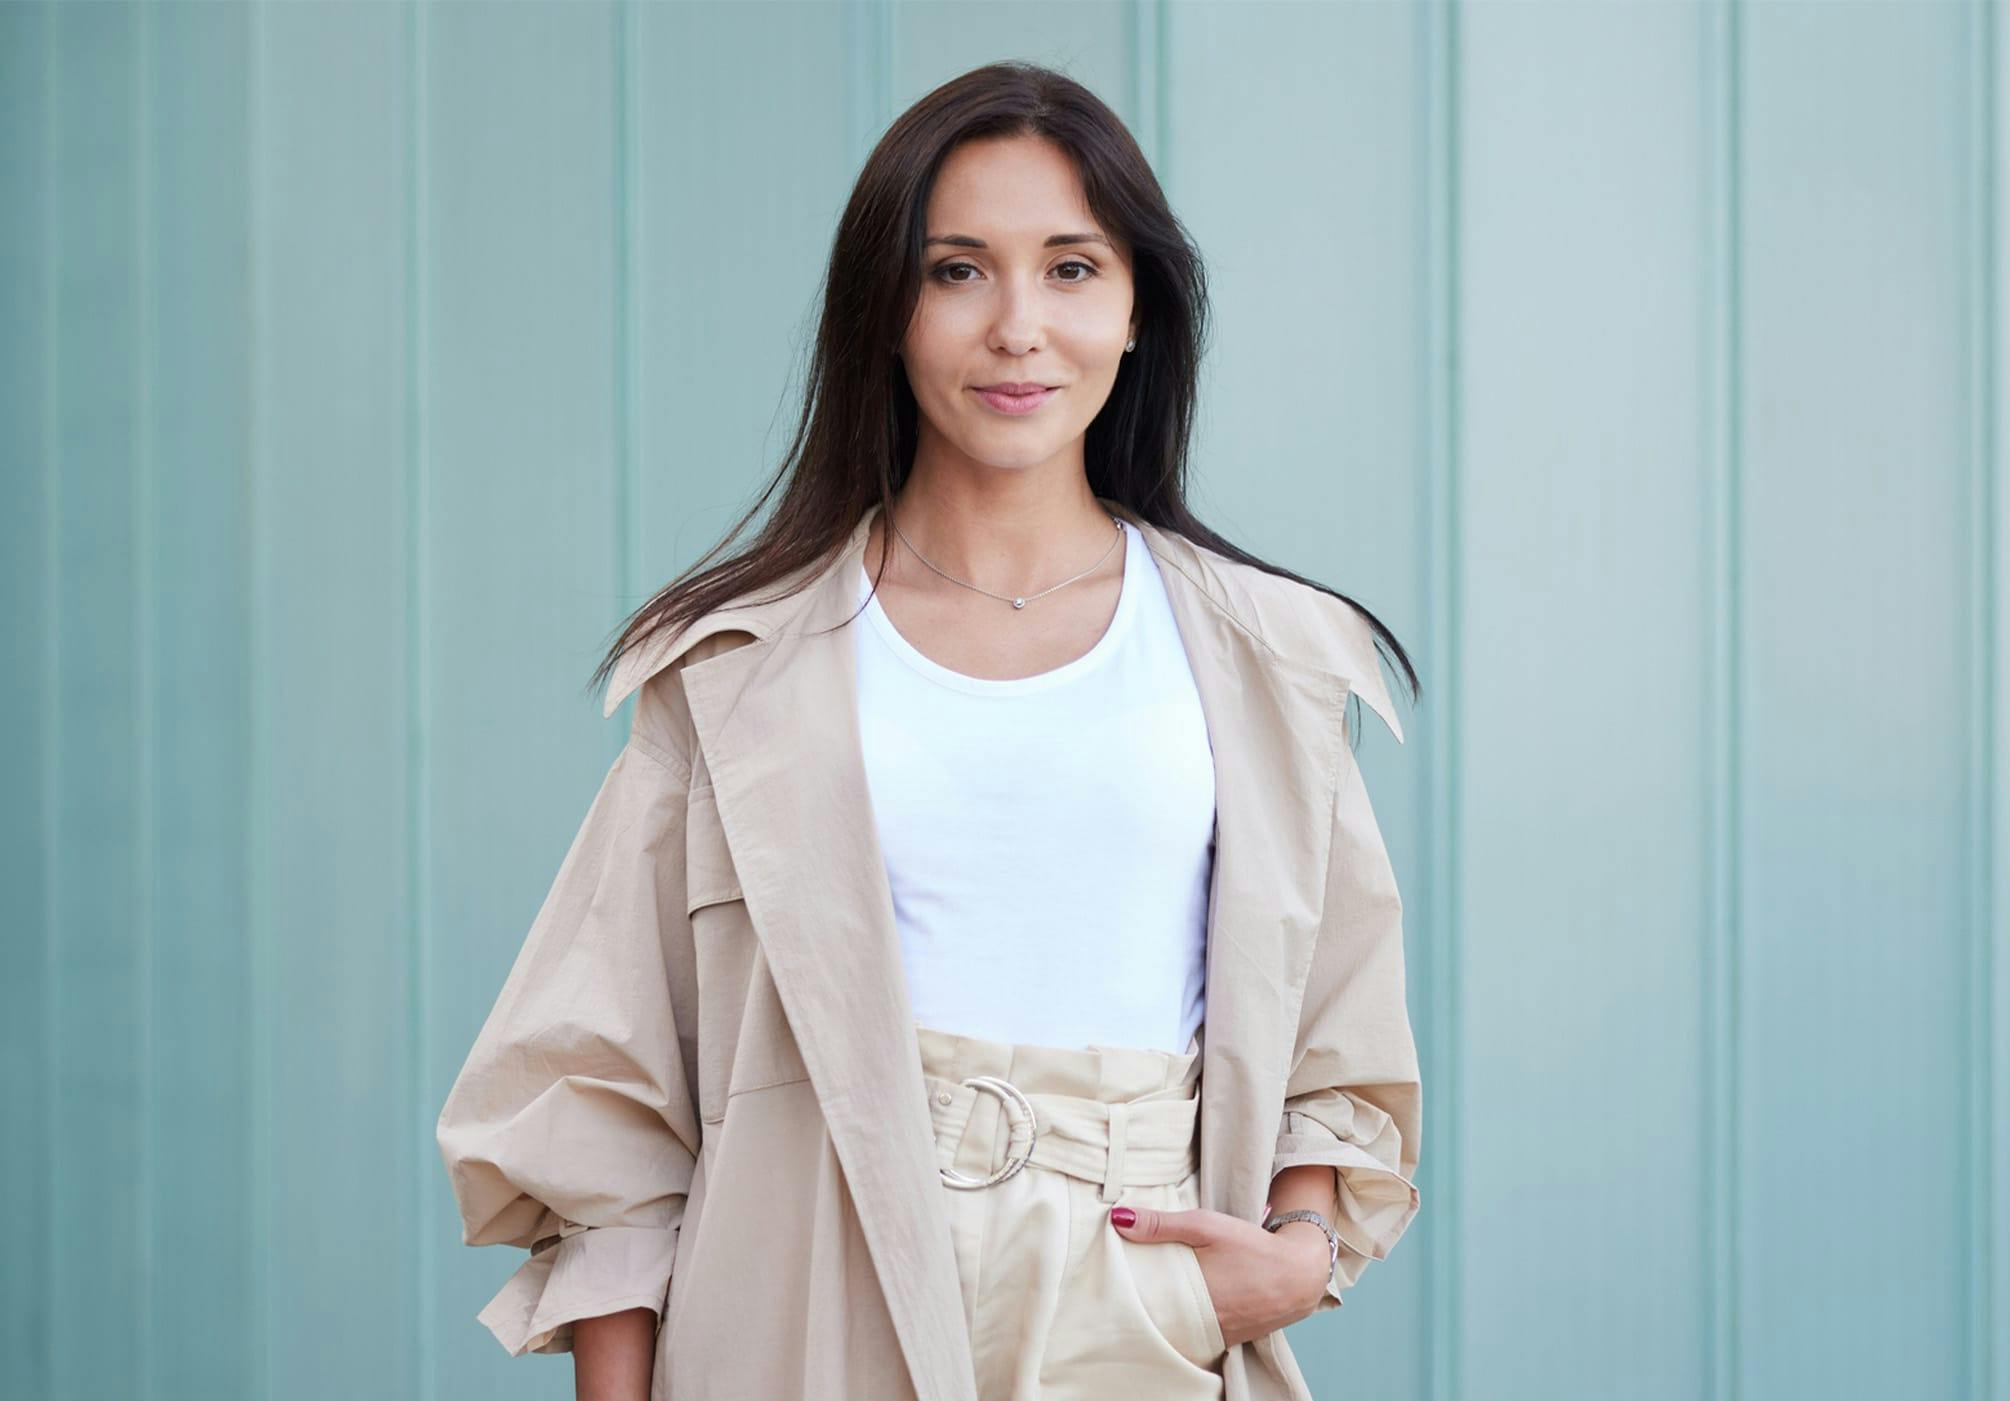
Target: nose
{"points": [[1017, 329]]}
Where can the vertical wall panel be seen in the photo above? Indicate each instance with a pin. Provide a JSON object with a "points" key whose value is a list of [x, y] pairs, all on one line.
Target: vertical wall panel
{"points": [[98, 1157], [517, 462], [1855, 726], [27, 685], [333, 918], [1584, 693], [197, 590], [741, 170]]}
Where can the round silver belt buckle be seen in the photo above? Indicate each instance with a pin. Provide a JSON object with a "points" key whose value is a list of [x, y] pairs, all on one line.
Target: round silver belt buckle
{"points": [[1013, 1099]]}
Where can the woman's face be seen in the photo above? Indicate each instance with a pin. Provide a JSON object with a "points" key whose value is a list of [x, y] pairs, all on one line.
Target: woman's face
{"points": [[1020, 286]]}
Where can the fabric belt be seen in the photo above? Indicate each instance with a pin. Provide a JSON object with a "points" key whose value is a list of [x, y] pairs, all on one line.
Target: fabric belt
{"points": [[1146, 1142]]}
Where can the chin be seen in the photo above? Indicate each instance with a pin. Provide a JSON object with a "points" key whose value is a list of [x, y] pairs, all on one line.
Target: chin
{"points": [[1015, 461]]}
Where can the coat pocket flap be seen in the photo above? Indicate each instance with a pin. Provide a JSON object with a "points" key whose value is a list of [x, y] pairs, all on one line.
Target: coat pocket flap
{"points": [[709, 874]]}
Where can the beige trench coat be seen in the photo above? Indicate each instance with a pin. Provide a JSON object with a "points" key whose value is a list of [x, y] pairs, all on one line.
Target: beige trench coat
{"points": [[699, 1091]]}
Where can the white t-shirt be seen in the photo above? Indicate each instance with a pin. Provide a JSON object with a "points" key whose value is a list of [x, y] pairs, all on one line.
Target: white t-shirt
{"points": [[1049, 839]]}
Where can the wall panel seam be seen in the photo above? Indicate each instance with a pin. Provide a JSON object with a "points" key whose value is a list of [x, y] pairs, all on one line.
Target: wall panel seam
{"points": [[1437, 83], [146, 466], [422, 1243], [1982, 1258]]}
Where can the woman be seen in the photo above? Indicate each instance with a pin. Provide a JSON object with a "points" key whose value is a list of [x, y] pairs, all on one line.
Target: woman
{"points": [[984, 942]]}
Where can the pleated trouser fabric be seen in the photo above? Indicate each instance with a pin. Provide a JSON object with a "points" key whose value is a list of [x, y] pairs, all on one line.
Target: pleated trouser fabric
{"points": [[1060, 1306]]}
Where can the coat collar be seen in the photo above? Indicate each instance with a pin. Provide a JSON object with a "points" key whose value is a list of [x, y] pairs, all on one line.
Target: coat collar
{"points": [[777, 728], [1347, 648]]}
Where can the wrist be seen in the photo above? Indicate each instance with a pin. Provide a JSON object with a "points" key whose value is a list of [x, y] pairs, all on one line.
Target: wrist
{"points": [[1306, 1223], [1312, 1257]]}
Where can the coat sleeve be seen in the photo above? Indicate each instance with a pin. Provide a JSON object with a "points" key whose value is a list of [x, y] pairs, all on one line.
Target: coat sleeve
{"points": [[570, 1130], [1354, 1098]]}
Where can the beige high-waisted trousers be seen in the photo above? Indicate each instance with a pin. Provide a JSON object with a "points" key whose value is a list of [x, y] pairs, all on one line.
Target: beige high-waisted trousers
{"points": [[1060, 1306]]}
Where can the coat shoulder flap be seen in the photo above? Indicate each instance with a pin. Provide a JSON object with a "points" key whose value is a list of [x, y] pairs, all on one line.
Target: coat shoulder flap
{"points": [[1307, 625], [645, 670], [1351, 651]]}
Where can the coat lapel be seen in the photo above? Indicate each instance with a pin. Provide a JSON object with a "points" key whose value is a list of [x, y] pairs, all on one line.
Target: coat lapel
{"points": [[1274, 725], [777, 724]]}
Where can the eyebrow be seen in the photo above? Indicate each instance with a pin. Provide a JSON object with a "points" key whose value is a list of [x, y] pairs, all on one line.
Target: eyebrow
{"points": [[1053, 240]]}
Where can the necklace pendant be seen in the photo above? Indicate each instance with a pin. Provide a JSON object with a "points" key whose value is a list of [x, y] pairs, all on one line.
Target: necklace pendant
{"points": [[1018, 603]]}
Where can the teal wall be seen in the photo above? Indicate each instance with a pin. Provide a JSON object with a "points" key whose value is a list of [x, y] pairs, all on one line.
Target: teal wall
{"points": [[363, 364]]}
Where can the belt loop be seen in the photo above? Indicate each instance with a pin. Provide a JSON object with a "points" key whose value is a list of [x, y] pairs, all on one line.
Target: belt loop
{"points": [[1113, 1176]]}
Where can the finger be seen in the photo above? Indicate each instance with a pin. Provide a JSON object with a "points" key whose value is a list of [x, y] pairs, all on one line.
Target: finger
{"points": [[1151, 1224]]}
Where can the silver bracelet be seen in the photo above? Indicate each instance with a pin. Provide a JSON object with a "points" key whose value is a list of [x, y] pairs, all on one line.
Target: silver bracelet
{"points": [[1332, 1236]]}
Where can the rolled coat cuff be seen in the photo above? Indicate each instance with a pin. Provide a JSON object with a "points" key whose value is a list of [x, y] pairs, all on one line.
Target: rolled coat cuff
{"points": [[1377, 1202], [590, 1272]]}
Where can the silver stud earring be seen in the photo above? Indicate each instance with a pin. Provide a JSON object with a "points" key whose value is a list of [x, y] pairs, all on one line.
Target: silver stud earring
{"points": [[1131, 344]]}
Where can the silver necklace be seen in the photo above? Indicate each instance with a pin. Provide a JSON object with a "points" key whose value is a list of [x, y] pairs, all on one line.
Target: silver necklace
{"points": [[1015, 602]]}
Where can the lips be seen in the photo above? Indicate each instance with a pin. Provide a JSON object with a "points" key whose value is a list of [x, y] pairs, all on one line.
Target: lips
{"points": [[1015, 398]]}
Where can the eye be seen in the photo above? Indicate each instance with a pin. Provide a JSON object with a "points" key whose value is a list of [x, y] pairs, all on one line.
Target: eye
{"points": [[941, 271]]}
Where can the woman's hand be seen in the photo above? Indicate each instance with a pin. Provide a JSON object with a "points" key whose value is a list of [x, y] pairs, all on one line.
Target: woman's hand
{"points": [[1260, 1280]]}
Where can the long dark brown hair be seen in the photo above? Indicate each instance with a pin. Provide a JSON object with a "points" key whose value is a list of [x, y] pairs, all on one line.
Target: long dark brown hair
{"points": [[855, 438]]}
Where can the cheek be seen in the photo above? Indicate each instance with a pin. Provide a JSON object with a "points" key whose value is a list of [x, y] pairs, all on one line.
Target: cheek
{"points": [[934, 352], [1094, 335]]}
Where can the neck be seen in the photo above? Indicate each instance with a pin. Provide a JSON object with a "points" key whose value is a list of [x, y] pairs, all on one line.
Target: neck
{"points": [[1015, 539]]}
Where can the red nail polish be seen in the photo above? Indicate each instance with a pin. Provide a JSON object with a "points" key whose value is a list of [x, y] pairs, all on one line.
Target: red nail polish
{"points": [[1123, 1216]]}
